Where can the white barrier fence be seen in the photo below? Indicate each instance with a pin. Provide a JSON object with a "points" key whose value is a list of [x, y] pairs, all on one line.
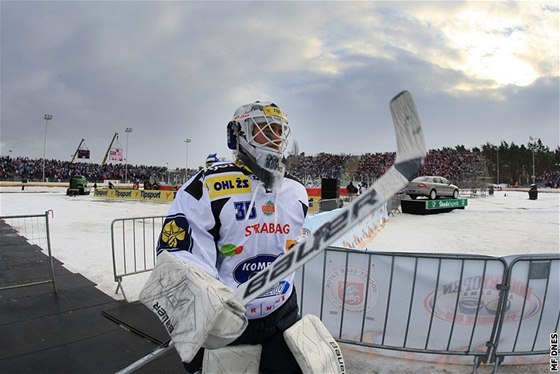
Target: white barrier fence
{"points": [[438, 307], [133, 243]]}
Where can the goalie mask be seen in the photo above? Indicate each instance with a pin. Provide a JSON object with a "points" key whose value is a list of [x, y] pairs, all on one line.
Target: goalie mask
{"points": [[259, 134]]}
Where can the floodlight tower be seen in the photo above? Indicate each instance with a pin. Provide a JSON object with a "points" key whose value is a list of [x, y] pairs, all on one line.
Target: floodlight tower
{"points": [[128, 130], [47, 118], [187, 141]]}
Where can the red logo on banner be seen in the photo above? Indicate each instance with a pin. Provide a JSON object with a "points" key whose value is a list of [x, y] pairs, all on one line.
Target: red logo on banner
{"points": [[355, 292], [477, 300], [351, 287]]}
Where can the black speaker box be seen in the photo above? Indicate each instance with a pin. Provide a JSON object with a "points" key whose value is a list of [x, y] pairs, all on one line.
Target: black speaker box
{"points": [[330, 188]]}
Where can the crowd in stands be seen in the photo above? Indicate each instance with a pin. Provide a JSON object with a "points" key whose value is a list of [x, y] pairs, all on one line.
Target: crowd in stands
{"points": [[458, 167], [23, 168], [449, 163], [323, 165], [373, 165], [551, 179]]}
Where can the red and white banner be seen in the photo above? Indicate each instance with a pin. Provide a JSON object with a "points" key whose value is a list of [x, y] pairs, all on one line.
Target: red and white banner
{"points": [[115, 154]]}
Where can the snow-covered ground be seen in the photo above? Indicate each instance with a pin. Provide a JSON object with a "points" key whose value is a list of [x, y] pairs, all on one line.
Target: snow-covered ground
{"points": [[503, 224]]}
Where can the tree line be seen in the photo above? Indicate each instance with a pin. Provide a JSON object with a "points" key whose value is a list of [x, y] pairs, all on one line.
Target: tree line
{"points": [[513, 164]]}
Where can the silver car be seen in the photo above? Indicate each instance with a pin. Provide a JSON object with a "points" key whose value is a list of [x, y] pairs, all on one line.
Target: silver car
{"points": [[432, 187]]}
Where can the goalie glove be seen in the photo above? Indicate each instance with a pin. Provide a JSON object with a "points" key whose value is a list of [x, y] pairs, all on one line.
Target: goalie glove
{"points": [[196, 309]]}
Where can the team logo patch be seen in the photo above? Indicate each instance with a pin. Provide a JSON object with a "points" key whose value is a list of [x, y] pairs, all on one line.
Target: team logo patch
{"points": [[221, 186], [176, 233], [246, 269], [172, 234], [268, 208], [231, 249]]}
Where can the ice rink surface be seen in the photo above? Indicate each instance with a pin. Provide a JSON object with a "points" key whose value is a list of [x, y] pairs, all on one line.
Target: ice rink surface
{"points": [[503, 224]]}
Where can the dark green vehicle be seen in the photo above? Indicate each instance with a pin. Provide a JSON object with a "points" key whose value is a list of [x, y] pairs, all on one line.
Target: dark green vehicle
{"points": [[78, 186]]}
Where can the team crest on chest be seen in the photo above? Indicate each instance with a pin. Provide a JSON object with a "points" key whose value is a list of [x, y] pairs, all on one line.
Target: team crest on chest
{"points": [[268, 208]]}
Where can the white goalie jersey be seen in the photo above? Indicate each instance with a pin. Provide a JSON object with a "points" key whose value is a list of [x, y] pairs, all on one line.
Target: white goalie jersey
{"points": [[224, 221]]}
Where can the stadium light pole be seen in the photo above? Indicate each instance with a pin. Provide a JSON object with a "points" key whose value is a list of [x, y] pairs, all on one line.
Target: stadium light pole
{"points": [[47, 118], [167, 172], [128, 130], [187, 141], [533, 149], [498, 165]]}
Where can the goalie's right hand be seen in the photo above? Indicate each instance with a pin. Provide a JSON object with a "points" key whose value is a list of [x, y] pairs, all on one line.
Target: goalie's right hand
{"points": [[196, 309]]}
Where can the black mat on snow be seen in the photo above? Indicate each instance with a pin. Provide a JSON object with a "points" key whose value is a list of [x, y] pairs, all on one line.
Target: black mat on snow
{"points": [[140, 320], [66, 332]]}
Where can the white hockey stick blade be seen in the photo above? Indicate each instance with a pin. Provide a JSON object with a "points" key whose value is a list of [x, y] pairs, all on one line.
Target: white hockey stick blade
{"points": [[411, 151]]}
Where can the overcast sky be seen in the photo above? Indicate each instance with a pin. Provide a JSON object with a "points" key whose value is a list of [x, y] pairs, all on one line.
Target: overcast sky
{"points": [[479, 72]]}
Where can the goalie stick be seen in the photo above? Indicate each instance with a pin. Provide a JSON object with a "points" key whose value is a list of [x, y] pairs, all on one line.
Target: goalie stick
{"points": [[411, 151]]}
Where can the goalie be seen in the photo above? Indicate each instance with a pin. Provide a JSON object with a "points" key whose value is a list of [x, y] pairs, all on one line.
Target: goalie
{"points": [[227, 223]]}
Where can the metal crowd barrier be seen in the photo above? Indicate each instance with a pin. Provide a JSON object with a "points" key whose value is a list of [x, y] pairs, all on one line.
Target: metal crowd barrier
{"points": [[133, 243], [466, 308], [472, 307], [34, 228], [540, 315], [394, 204]]}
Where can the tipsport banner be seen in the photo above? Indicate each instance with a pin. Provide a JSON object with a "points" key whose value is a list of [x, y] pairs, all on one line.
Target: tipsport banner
{"points": [[150, 195], [399, 301]]}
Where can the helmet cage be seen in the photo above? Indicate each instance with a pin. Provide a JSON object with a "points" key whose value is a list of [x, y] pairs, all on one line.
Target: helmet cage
{"points": [[263, 121], [275, 131]]}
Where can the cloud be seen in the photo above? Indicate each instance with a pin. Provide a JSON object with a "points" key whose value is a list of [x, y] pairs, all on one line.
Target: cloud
{"points": [[177, 70]]}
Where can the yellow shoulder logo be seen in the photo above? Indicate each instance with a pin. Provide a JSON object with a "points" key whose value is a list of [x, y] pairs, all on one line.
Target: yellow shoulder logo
{"points": [[227, 185], [172, 233]]}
